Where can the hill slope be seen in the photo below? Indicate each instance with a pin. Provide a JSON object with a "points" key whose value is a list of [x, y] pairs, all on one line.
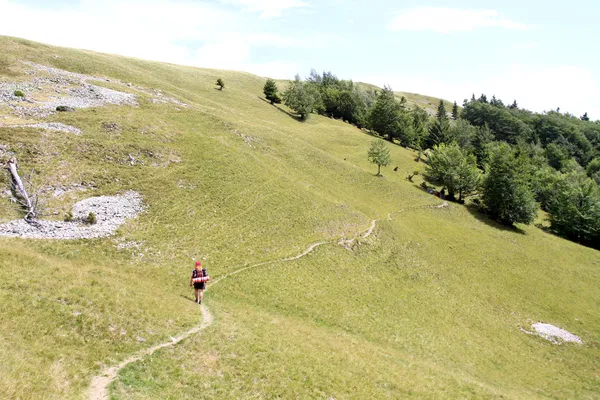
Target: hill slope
{"points": [[428, 305]]}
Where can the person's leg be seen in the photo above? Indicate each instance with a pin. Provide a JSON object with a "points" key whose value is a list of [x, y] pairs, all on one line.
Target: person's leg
{"points": [[201, 295], [196, 294]]}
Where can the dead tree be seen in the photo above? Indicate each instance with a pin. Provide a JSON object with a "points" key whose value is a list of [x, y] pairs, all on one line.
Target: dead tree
{"points": [[29, 203]]}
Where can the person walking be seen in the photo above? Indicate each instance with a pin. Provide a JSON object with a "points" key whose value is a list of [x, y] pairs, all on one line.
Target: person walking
{"points": [[199, 286]]}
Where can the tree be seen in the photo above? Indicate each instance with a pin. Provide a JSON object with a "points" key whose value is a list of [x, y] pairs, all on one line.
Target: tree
{"points": [[379, 154], [481, 143], [455, 111], [557, 155], [438, 131], [420, 120], [384, 117], [575, 209], [220, 83], [441, 111], [514, 105], [585, 117], [454, 168], [301, 97], [270, 91], [506, 192]]}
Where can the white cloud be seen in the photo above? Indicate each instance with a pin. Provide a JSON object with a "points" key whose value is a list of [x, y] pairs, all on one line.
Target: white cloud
{"points": [[535, 87], [181, 32], [446, 20], [268, 8]]}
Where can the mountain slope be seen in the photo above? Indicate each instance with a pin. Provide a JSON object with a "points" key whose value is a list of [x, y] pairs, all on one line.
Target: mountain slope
{"points": [[429, 305]]}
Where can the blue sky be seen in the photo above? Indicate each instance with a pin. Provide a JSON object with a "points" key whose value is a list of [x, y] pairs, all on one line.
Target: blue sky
{"points": [[540, 53]]}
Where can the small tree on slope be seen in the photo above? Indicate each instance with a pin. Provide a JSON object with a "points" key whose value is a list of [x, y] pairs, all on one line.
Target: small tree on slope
{"points": [[220, 83], [379, 154], [270, 91]]}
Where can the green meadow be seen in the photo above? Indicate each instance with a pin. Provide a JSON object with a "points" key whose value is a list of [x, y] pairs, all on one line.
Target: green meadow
{"points": [[430, 305]]}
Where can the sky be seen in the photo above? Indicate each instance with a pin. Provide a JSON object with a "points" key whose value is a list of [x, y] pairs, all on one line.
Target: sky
{"points": [[540, 53]]}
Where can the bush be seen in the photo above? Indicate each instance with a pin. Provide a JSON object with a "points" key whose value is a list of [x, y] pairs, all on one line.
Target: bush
{"points": [[65, 109], [91, 219], [69, 217], [220, 83], [19, 93]]}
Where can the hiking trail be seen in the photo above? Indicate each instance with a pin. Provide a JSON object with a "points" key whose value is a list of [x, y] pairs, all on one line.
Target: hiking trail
{"points": [[99, 386]]}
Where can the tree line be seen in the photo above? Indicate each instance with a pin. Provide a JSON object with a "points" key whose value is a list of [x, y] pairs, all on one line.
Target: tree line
{"points": [[511, 160]]}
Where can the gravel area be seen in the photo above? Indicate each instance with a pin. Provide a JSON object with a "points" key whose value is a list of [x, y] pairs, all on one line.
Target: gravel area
{"points": [[49, 126], [553, 333], [65, 88], [111, 212]]}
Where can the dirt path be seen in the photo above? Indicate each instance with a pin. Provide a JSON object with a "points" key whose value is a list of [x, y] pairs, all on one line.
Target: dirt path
{"points": [[100, 383]]}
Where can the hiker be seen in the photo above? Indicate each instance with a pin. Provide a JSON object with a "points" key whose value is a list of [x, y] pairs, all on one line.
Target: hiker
{"points": [[199, 287]]}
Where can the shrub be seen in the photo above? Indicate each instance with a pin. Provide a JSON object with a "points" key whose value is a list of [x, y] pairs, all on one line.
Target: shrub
{"points": [[69, 217], [19, 93], [220, 83], [91, 219], [65, 109]]}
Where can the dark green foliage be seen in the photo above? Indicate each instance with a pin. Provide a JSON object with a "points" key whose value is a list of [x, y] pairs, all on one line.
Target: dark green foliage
{"points": [[543, 184], [69, 217], [455, 111], [557, 155], [420, 126], [463, 134], [593, 166], [270, 91], [514, 105], [441, 111], [301, 97], [341, 99], [496, 102], [503, 124], [90, 219], [65, 109], [575, 209], [585, 117], [385, 115], [506, 192], [220, 83], [454, 168], [567, 131], [481, 143], [19, 93], [379, 154]]}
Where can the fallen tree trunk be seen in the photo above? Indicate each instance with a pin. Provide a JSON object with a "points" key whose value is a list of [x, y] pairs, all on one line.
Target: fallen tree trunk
{"points": [[18, 186]]}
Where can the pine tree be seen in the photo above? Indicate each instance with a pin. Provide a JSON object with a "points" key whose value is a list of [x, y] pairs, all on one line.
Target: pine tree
{"points": [[385, 115], [455, 111], [441, 111], [514, 105], [270, 91], [379, 154], [585, 117]]}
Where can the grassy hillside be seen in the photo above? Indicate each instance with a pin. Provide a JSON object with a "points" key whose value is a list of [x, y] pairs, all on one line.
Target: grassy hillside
{"points": [[430, 305]]}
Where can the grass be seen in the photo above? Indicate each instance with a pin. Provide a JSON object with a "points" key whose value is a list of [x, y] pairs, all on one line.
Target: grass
{"points": [[429, 306]]}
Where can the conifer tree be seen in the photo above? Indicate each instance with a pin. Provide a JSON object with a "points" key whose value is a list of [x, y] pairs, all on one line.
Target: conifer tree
{"points": [[270, 91], [455, 111], [384, 117], [441, 111], [585, 117]]}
